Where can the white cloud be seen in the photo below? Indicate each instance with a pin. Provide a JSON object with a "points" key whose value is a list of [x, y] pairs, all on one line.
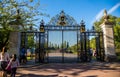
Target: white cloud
{"points": [[100, 14], [113, 8]]}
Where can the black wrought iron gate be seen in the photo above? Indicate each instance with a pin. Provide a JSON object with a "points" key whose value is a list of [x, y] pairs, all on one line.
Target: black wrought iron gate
{"points": [[85, 46], [38, 43], [62, 29], [41, 40]]}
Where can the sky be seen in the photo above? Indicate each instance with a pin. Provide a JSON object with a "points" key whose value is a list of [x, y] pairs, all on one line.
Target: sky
{"points": [[88, 10]]}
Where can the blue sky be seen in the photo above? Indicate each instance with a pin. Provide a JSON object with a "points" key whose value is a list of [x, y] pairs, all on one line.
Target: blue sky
{"points": [[79, 9], [88, 10]]}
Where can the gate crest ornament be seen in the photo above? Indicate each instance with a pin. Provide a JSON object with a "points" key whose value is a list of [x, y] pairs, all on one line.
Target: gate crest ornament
{"points": [[62, 19]]}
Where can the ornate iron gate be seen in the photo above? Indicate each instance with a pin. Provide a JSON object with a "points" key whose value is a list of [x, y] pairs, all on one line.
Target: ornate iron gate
{"points": [[83, 40], [49, 28], [85, 44], [38, 44]]}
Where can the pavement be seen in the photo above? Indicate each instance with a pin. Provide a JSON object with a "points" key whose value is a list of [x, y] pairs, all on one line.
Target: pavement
{"points": [[29, 63], [87, 69]]}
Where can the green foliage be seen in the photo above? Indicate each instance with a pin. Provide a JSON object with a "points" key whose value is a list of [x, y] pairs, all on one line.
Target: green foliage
{"points": [[74, 48], [17, 14], [116, 21], [4, 37], [117, 35], [92, 43], [118, 54], [97, 25], [65, 44], [31, 41]]}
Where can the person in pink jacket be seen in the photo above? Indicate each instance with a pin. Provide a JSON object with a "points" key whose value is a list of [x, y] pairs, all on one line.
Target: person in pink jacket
{"points": [[13, 64]]}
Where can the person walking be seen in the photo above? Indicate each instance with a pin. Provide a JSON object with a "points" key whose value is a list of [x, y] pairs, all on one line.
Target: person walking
{"points": [[23, 54], [4, 58], [13, 64]]}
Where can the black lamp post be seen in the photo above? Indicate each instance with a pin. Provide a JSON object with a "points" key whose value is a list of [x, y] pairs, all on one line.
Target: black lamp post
{"points": [[83, 41], [41, 42], [82, 26], [42, 26]]}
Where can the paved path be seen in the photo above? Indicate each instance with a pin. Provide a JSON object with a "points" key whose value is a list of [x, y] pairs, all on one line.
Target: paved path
{"points": [[95, 69]]}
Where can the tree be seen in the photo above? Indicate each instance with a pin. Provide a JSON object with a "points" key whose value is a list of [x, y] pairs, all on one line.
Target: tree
{"points": [[4, 38], [67, 44], [30, 41], [92, 43], [16, 14], [117, 33], [116, 21]]}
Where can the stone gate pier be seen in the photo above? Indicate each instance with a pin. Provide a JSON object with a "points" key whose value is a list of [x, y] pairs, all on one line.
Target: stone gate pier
{"points": [[14, 43], [108, 36]]}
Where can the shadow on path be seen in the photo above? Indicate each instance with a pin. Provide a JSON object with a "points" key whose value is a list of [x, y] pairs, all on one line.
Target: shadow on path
{"points": [[91, 76], [96, 69], [32, 75]]}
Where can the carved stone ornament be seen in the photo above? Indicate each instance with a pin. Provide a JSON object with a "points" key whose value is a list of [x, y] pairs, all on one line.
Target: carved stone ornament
{"points": [[106, 18]]}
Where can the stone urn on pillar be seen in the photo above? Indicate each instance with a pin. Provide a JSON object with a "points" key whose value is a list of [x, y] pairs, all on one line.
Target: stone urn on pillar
{"points": [[108, 36]]}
